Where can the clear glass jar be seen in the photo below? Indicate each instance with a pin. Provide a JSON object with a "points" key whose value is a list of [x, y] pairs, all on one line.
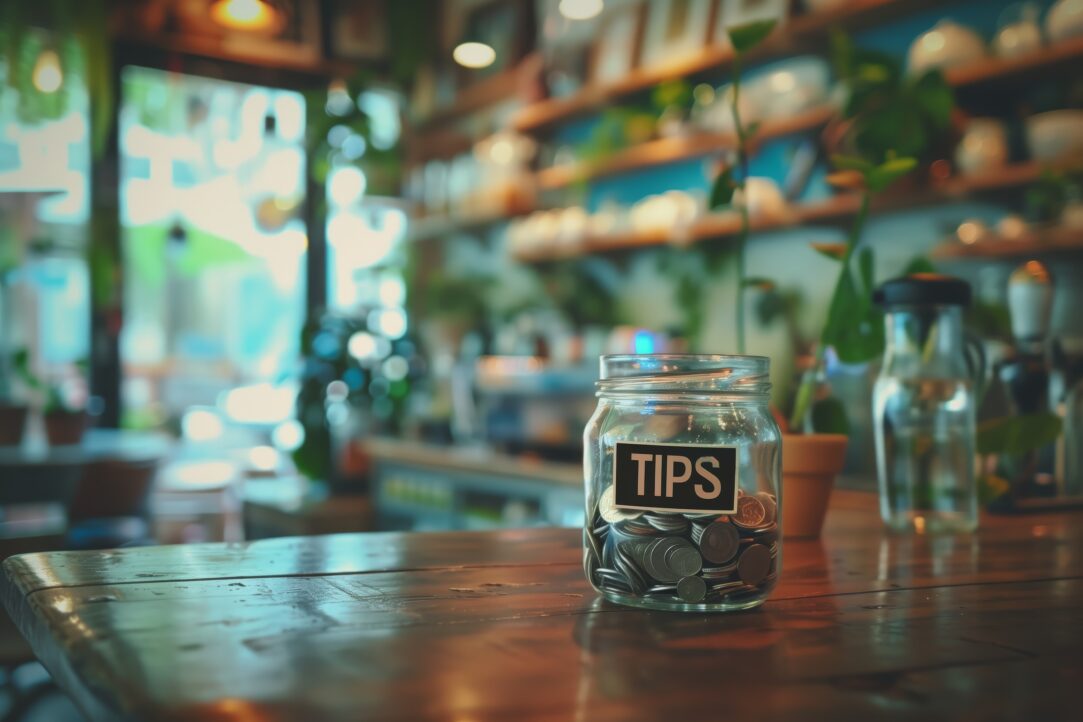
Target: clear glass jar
{"points": [[924, 407], [681, 463]]}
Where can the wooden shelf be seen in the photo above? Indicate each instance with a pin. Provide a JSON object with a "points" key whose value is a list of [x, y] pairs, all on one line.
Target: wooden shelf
{"points": [[836, 209], [671, 150], [801, 33], [1056, 239], [995, 69]]}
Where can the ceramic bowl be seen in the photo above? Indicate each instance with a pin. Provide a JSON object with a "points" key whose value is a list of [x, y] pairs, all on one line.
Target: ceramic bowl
{"points": [[946, 45], [1056, 135], [984, 146], [790, 86]]}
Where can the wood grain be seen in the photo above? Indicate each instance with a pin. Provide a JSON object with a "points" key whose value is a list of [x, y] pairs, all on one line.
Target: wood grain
{"points": [[502, 625]]}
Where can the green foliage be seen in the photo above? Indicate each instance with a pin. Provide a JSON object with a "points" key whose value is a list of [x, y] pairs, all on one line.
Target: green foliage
{"points": [[829, 417], [989, 320], [747, 36], [457, 299], [722, 190], [855, 326], [675, 93], [1045, 199], [1018, 434], [891, 112], [580, 296]]}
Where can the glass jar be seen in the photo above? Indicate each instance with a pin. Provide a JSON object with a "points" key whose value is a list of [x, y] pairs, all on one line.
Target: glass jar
{"points": [[924, 407], [681, 463]]}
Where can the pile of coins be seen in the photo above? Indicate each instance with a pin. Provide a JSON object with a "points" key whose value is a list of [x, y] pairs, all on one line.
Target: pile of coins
{"points": [[689, 558]]}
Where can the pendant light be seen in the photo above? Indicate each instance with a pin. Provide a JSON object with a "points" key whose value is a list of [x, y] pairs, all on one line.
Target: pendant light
{"points": [[247, 15]]}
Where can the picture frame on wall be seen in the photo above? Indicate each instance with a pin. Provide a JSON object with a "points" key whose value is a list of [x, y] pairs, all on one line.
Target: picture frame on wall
{"points": [[740, 12], [615, 51], [358, 30], [674, 29]]}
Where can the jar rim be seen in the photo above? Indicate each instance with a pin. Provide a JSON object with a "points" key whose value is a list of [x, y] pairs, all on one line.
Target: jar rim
{"points": [[688, 373]]}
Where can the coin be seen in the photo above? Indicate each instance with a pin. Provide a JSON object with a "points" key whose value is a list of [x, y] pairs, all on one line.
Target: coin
{"points": [[684, 560], [671, 523], [691, 589], [655, 559], [769, 505], [754, 564], [607, 507], [750, 512], [719, 542]]}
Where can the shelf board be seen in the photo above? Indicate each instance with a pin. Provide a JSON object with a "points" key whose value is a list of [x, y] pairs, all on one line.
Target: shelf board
{"points": [[832, 210], [800, 33], [994, 69], [671, 150], [1056, 239]]}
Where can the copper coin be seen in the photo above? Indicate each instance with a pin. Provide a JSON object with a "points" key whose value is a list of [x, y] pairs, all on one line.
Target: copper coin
{"points": [[769, 505], [754, 564], [750, 512], [719, 543]]}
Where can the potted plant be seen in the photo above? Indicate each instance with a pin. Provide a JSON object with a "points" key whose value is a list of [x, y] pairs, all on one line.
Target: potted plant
{"points": [[12, 412], [816, 431]]}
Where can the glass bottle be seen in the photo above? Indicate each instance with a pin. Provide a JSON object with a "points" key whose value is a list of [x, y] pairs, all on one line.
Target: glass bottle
{"points": [[682, 468], [924, 407]]}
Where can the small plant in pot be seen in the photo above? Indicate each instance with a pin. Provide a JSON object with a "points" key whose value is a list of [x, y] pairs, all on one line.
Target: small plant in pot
{"points": [[816, 430], [66, 420], [12, 411]]}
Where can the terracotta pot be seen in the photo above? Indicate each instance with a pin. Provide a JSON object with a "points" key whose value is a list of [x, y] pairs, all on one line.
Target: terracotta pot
{"points": [[810, 463], [64, 428], [12, 424]]}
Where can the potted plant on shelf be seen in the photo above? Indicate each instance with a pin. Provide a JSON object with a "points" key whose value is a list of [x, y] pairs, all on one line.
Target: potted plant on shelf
{"points": [[880, 98]]}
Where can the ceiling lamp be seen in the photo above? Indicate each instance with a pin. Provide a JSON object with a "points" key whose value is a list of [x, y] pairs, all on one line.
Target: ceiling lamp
{"points": [[580, 9], [47, 75], [474, 54], [247, 15]]}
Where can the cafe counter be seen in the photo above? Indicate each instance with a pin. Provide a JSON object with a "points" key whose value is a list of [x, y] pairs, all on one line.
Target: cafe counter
{"points": [[503, 625]]}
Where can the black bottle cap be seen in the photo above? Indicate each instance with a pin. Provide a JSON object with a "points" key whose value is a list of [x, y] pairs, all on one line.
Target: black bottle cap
{"points": [[923, 289]]}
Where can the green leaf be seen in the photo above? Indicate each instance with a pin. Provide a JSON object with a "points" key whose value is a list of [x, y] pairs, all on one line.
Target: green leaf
{"points": [[851, 162], [934, 98], [829, 417], [722, 190], [865, 264], [1018, 434], [747, 36], [919, 264], [854, 328], [883, 175]]}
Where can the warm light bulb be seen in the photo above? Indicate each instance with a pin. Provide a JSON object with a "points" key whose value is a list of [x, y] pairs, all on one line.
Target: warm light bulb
{"points": [[244, 14], [580, 9], [474, 55], [47, 76]]}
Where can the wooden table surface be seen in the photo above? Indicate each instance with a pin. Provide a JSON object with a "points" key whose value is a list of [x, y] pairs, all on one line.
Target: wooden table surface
{"points": [[502, 625]]}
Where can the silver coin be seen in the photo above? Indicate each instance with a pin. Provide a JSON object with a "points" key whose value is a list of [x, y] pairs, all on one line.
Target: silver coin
{"points": [[720, 572], [684, 560], [719, 542], [691, 589], [671, 523], [607, 507], [658, 553], [754, 564]]}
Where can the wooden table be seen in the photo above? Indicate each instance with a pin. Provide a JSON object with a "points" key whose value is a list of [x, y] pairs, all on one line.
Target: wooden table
{"points": [[502, 625]]}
